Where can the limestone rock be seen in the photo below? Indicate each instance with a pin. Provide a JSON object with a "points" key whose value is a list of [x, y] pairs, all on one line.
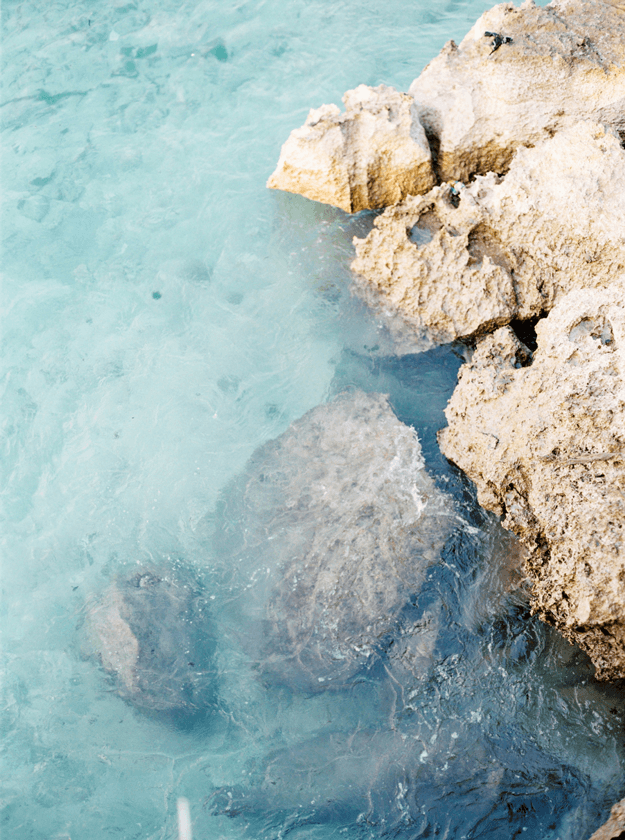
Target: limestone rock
{"points": [[545, 445], [566, 62], [152, 634], [461, 261], [371, 156], [615, 826], [330, 531]]}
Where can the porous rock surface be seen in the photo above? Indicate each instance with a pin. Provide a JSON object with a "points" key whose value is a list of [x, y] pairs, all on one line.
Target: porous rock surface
{"points": [[330, 530], [461, 261], [371, 156], [565, 62], [153, 635], [614, 828], [545, 445]]}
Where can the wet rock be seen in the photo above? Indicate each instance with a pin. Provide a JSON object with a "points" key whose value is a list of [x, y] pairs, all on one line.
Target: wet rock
{"points": [[371, 156], [152, 633], [519, 75], [545, 444], [614, 828], [461, 261], [325, 537]]}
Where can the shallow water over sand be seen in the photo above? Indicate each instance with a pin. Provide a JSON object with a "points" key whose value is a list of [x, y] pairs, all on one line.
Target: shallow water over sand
{"points": [[165, 316]]}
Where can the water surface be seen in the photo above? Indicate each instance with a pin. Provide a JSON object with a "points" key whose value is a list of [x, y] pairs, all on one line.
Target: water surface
{"points": [[164, 315]]}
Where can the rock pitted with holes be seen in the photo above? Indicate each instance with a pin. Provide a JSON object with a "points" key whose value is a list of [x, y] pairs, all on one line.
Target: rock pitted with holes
{"points": [[545, 445], [461, 261]]}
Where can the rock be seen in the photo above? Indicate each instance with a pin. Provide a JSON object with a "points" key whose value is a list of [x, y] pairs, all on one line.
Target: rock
{"points": [[152, 634], [329, 532], [373, 155], [614, 828], [461, 261], [565, 62], [545, 444]]}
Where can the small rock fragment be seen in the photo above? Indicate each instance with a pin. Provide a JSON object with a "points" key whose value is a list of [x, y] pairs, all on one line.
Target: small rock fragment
{"points": [[373, 155]]}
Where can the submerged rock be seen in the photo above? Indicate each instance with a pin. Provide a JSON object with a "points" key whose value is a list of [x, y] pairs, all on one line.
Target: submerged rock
{"points": [[462, 261], [545, 445], [325, 537], [152, 633], [371, 156], [401, 781], [614, 828], [550, 66]]}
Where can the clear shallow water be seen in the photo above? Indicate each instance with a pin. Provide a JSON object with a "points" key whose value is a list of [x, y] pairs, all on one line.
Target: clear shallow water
{"points": [[163, 316]]}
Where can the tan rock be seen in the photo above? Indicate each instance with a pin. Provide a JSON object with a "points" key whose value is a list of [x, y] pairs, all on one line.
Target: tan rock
{"points": [[460, 261], [615, 826], [545, 445], [373, 155], [566, 62]]}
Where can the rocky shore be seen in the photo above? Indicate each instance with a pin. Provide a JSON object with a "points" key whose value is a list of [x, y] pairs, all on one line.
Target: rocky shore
{"points": [[506, 229], [523, 228]]}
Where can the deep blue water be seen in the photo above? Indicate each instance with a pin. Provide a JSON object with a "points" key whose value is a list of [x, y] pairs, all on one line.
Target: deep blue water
{"points": [[164, 315]]}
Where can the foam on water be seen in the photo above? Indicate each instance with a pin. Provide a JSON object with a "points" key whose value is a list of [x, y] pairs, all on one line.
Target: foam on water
{"points": [[163, 316]]}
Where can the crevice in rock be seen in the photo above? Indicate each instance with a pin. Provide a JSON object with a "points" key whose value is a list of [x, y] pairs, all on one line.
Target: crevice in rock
{"points": [[434, 143], [525, 331]]}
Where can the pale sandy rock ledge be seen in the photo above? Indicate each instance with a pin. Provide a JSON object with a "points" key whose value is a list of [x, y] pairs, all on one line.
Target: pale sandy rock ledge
{"points": [[545, 446], [540, 69], [373, 155], [614, 828], [461, 261], [565, 62]]}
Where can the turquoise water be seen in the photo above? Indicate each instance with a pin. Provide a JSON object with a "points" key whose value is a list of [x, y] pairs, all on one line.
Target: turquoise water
{"points": [[164, 315]]}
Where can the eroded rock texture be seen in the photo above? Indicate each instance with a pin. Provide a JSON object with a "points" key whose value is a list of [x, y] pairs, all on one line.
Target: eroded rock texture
{"points": [[152, 633], [329, 532], [371, 156], [565, 62], [545, 445], [461, 261], [614, 828]]}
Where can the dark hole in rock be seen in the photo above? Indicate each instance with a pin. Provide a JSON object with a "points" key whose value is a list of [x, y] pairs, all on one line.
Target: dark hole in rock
{"points": [[423, 231], [525, 331], [434, 143]]}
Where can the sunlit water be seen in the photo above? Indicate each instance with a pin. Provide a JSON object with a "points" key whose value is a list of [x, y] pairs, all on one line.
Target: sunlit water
{"points": [[164, 315]]}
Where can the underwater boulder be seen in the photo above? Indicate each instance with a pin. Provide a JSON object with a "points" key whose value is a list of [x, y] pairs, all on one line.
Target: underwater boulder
{"points": [[152, 633], [324, 539], [400, 781]]}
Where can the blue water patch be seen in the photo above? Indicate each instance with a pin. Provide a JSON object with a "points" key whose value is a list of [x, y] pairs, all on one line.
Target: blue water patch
{"points": [[165, 317]]}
